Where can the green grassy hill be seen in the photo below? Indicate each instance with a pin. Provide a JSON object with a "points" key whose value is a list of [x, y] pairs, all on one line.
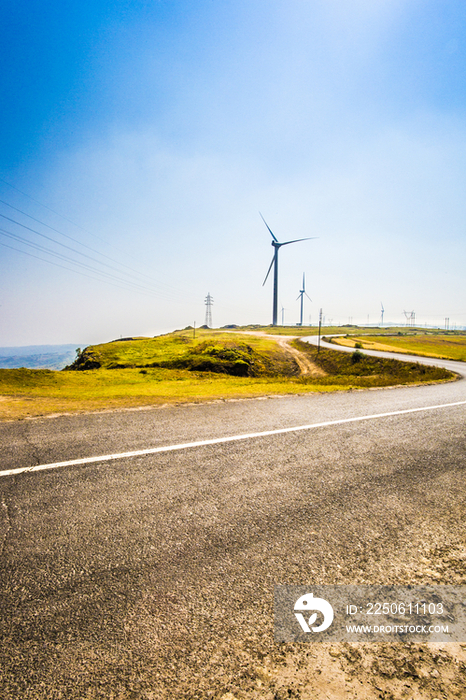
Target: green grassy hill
{"points": [[210, 351]]}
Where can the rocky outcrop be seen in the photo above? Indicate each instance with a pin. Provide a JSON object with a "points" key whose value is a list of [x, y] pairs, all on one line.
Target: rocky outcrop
{"points": [[87, 359]]}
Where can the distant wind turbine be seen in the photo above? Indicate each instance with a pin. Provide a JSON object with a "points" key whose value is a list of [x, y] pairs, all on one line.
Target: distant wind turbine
{"points": [[301, 294], [382, 312], [274, 262]]}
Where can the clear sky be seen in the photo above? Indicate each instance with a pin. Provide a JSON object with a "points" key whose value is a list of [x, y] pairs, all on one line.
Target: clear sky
{"points": [[140, 139]]}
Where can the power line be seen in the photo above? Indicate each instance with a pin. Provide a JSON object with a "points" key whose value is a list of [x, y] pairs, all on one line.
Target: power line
{"points": [[167, 293], [128, 282], [63, 245], [36, 246], [69, 237], [166, 286], [78, 272], [52, 210], [102, 276]]}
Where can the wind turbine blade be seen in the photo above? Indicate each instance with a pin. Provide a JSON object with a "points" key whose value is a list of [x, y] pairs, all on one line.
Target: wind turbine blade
{"points": [[308, 296], [265, 222], [268, 272], [299, 239], [298, 297]]}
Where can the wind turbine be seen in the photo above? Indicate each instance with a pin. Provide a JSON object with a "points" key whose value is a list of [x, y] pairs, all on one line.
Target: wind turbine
{"points": [[274, 262], [382, 311], [301, 294]]}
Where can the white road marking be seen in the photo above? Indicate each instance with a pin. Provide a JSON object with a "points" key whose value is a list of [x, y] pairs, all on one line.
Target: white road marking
{"points": [[218, 441]]}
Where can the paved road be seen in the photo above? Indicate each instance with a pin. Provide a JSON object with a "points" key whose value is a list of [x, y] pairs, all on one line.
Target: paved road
{"points": [[436, 362], [152, 576]]}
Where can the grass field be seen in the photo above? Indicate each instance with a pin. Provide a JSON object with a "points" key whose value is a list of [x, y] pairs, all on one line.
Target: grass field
{"points": [[178, 368], [446, 346]]}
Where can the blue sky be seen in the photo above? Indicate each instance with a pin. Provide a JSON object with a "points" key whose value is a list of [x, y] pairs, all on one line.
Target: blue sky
{"points": [[146, 136]]}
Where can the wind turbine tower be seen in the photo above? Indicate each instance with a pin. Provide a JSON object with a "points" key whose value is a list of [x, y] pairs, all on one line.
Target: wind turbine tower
{"points": [[381, 314], [276, 245], [301, 294]]}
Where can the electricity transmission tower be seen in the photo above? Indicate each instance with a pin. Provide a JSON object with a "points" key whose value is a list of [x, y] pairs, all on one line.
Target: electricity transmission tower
{"points": [[208, 311], [410, 318]]}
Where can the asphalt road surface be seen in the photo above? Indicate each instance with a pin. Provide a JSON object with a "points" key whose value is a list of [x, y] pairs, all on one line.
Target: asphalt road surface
{"points": [[151, 575]]}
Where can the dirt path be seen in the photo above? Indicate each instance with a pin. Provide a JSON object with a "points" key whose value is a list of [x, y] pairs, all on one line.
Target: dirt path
{"points": [[306, 366]]}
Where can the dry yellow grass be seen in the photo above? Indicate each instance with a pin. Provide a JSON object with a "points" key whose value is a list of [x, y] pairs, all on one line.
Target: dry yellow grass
{"points": [[367, 345], [31, 393], [448, 347]]}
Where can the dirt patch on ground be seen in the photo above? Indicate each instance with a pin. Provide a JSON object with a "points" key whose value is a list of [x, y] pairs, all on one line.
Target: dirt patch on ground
{"points": [[306, 366], [383, 671], [251, 666], [370, 672]]}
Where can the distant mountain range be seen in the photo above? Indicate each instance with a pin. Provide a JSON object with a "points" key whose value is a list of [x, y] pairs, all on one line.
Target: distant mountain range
{"points": [[37, 356]]}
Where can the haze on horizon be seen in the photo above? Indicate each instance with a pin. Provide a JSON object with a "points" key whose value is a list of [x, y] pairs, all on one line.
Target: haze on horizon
{"points": [[144, 136]]}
